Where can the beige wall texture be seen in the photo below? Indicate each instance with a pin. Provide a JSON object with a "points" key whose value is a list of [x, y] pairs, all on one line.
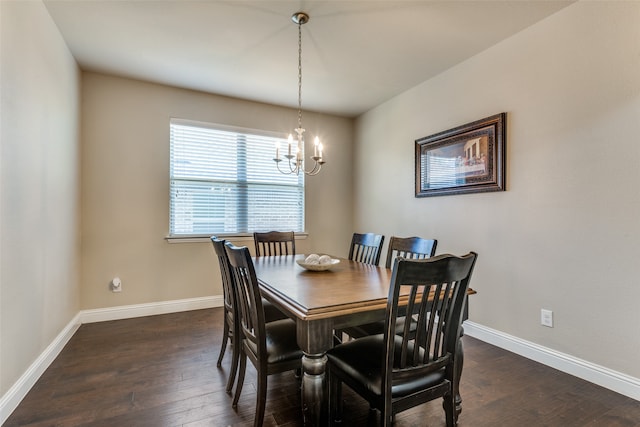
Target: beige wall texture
{"points": [[39, 186], [566, 234], [125, 188]]}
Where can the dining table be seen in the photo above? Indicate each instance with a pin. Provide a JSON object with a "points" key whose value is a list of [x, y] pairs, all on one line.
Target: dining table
{"points": [[350, 293]]}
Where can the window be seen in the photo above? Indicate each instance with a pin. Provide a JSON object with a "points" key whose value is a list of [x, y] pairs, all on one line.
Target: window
{"points": [[224, 181]]}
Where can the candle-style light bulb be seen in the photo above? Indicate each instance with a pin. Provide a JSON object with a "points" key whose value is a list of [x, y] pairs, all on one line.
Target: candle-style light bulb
{"points": [[277, 150], [290, 141], [316, 141], [320, 150]]}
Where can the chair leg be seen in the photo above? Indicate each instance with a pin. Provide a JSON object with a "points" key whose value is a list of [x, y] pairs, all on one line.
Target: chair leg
{"points": [[225, 338], [387, 416], [458, 374], [261, 399], [337, 338], [387, 420], [235, 357], [335, 400], [449, 405], [243, 368]]}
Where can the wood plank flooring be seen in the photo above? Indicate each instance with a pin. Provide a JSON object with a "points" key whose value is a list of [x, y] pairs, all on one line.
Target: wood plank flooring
{"points": [[161, 371]]}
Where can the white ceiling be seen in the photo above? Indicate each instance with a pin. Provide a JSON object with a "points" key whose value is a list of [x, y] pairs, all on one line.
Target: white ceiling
{"points": [[356, 54]]}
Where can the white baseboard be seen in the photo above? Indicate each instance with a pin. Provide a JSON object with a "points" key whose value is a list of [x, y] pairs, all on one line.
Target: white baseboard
{"points": [[149, 309], [12, 398], [605, 377], [9, 402]]}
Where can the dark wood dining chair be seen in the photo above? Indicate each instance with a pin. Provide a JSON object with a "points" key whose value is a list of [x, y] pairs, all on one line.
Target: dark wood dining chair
{"points": [[404, 247], [271, 347], [366, 248], [229, 331], [273, 243], [230, 326], [395, 372], [410, 247]]}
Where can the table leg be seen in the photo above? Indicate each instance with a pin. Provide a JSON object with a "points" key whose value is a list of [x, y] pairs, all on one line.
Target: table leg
{"points": [[314, 402], [315, 338]]}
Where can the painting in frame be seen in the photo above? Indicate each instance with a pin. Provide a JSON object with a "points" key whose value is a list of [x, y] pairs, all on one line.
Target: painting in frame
{"points": [[466, 159]]}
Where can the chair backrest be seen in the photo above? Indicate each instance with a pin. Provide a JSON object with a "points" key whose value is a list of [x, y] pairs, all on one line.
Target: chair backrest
{"points": [[366, 248], [225, 270], [275, 243], [249, 300], [410, 247], [436, 289]]}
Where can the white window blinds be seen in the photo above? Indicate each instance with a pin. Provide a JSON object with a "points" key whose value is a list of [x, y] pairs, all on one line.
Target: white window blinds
{"points": [[224, 181]]}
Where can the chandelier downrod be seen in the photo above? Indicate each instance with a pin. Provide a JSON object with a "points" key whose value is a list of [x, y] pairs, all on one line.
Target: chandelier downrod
{"points": [[296, 160]]}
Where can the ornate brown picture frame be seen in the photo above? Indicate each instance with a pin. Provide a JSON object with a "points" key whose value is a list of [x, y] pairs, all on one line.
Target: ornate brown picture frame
{"points": [[466, 159]]}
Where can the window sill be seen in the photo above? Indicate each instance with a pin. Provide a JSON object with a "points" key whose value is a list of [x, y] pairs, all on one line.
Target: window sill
{"points": [[235, 237]]}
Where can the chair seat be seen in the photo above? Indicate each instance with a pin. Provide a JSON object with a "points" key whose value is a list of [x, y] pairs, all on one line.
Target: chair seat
{"points": [[280, 337], [361, 361]]}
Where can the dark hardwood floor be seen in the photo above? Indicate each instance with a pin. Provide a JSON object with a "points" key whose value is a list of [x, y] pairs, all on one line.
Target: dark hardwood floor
{"points": [[161, 371]]}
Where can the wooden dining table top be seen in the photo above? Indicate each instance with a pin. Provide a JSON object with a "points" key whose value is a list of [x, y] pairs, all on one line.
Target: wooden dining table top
{"points": [[347, 288]]}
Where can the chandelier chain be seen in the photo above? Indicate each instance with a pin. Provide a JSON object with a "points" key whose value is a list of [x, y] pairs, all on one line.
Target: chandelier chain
{"points": [[300, 75]]}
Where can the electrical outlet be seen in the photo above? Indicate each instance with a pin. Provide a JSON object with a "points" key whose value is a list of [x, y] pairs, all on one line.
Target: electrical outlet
{"points": [[546, 318], [116, 285]]}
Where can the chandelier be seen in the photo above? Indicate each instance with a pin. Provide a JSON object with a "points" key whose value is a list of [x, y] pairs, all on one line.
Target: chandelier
{"points": [[294, 157]]}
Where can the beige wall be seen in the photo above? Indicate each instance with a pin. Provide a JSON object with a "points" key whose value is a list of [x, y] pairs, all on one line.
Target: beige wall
{"points": [[125, 188], [566, 234], [39, 186]]}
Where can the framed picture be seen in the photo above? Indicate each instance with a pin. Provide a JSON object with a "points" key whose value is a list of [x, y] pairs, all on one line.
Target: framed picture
{"points": [[466, 159]]}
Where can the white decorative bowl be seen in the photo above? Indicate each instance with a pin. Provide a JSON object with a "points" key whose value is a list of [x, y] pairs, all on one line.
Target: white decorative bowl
{"points": [[318, 267]]}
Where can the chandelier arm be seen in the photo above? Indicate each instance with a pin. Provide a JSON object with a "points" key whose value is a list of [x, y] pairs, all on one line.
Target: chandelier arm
{"points": [[284, 172], [298, 168], [315, 170], [281, 171]]}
